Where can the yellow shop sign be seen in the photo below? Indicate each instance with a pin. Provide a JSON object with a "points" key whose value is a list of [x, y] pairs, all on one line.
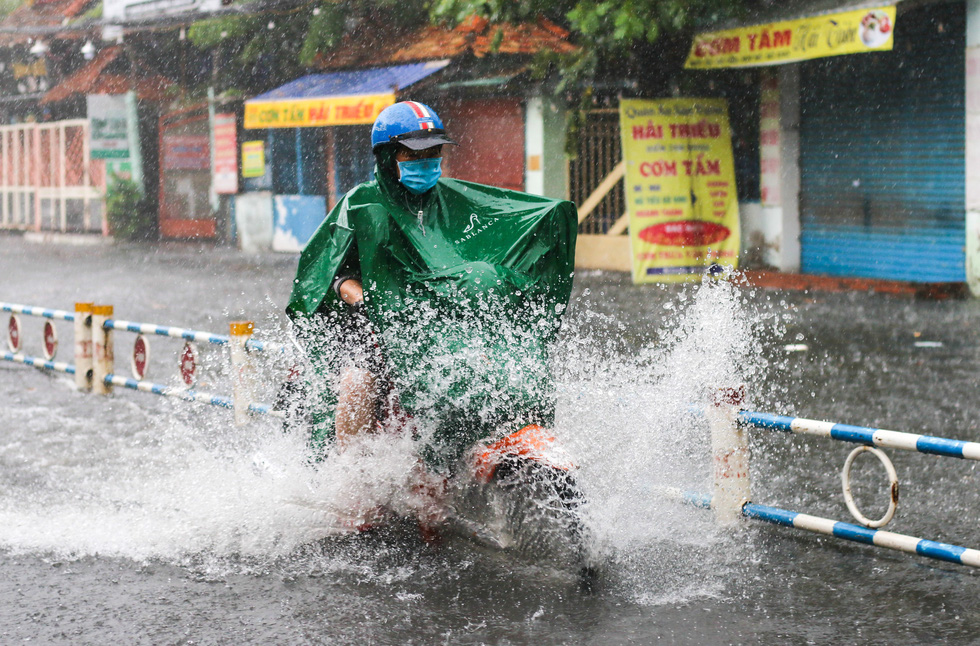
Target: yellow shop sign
{"points": [[307, 113], [850, 32]]}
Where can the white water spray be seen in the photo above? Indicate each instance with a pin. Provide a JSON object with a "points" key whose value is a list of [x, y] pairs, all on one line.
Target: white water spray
{"points": [[151, 481]]}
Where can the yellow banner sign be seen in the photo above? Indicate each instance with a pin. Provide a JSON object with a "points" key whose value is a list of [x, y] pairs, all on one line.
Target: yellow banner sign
{"points": [[308, 113], [680, 187], [851, 32]]}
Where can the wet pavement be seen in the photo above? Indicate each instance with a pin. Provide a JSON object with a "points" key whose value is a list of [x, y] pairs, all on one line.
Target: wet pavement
{"points": [[136, 519]]}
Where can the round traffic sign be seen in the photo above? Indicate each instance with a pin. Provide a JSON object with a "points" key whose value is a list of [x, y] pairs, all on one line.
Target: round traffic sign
{"points": [[188, 364], [141, 357], [13, 333], [50, 341]]}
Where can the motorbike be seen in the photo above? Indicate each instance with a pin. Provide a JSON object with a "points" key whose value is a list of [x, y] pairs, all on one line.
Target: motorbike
{"points": [[516, 492]]}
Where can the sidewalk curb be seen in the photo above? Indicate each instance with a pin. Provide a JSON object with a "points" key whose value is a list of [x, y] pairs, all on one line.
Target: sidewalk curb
{"points": [[809, 282]]}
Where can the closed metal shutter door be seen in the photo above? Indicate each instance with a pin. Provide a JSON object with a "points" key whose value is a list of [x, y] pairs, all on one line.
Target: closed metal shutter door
{"points": [[882, 155]]}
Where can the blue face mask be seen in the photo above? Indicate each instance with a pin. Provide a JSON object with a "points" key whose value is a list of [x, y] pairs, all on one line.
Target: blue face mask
{"points": [[420, 175]]}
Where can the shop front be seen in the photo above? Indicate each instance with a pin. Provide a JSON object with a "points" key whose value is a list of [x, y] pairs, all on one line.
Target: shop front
{"points": [[863, 147], [306, 143]]}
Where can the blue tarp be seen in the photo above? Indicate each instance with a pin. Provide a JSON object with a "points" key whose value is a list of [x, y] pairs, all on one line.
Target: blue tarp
{"points": [[376, 80]]}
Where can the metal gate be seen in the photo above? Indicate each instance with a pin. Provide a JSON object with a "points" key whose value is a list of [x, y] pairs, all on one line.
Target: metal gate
{"points": [[185, 175], [48, 181], [599, 154]]}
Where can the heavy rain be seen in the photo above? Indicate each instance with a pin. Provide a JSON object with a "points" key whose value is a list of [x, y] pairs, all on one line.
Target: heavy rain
{"points": [[485, 323]]}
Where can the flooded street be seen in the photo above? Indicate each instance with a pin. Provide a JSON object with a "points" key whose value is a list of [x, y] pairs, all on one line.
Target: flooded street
{"points": [[142, 520]]}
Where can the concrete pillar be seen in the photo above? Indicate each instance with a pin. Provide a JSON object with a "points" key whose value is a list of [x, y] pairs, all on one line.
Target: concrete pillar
{"points": [[103, 355], [534, 146], [730, 456], [778, 230], [83, 346], [555, 120], [243, 370], [545, 165], [973, 145]]}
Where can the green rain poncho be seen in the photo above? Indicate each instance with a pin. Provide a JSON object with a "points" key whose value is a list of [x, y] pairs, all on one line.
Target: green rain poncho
{"points": [[464, 287]]}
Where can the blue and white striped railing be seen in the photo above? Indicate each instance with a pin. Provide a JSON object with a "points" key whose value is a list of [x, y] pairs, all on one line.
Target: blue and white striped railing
{"points": [[837, 529], [164, 330], [27, 310], [190, 335], [863, 435], [187, 395], [859, 534], [57, 366], [144, 328]]}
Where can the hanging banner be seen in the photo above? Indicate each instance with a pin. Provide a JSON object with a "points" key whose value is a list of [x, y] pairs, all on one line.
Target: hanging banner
{"points": [[253, 158], [680, 187], [327, 111], [225, 171], [850, 32]]}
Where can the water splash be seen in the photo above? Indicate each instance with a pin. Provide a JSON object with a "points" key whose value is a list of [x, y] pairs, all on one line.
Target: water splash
{"points": [[157, 480]]}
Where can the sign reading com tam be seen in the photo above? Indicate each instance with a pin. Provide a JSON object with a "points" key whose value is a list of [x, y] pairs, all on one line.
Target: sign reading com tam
{"points": [[680, 187], [308, 113], [850, 32]]}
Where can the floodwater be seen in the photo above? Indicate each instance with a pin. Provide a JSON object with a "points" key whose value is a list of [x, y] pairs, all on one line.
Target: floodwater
{"points": [[138, 519]]}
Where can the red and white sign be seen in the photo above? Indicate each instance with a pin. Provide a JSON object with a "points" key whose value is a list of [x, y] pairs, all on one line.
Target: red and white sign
{"points": [[684, 233], [50, 341], [225, 171], [141, 357], [186, 152], [188, 364], [13, 333]]}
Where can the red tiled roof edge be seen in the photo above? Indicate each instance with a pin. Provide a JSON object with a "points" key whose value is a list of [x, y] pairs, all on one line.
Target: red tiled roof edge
{"points": [[474, 35], [84, 78]]}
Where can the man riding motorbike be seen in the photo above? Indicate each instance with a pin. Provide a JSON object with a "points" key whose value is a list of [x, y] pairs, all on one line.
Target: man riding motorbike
{"points": [[434, 299]]}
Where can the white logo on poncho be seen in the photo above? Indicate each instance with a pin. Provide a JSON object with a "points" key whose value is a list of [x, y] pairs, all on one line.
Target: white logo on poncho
{"points": [[474, 220], [475, 228]]}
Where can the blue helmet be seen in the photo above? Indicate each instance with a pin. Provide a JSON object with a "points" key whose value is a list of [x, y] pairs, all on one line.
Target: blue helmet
{"points": [[412, 124]]}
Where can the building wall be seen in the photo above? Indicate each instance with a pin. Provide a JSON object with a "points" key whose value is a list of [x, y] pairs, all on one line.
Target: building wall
{"points": [[490, 133]]}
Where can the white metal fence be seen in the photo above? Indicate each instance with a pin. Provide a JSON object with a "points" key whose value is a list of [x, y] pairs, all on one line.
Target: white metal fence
{"points": [[48, 181]]}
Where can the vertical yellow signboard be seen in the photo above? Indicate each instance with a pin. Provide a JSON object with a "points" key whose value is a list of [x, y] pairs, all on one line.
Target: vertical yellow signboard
{"points": [[253, 158], [680, 187]]}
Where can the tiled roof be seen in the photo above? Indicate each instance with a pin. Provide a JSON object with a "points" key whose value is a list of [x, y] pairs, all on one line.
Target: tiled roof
{"points": [[46, 13], [93, 79], [375, 45]]}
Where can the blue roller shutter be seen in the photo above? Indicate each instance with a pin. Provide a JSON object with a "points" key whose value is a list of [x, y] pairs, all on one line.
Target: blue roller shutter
{"points": [[882, 155]]}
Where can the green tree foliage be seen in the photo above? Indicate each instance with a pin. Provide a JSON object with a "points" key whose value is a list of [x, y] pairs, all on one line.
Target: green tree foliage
{"points": [[606, 29], [261, 50], [617, 38]]}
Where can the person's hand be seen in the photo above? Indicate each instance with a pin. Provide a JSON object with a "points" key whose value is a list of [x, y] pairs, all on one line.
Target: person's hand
{"points": [[351, 292]]}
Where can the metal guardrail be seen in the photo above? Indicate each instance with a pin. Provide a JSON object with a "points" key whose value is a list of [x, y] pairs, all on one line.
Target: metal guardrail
{"points": [[929, 444], [732, 498], [94, 355]]}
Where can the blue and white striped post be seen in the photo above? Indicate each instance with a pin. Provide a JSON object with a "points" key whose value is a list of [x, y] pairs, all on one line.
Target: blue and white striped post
{"points": [[103, 356], [83, 346], [730, 455]]}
